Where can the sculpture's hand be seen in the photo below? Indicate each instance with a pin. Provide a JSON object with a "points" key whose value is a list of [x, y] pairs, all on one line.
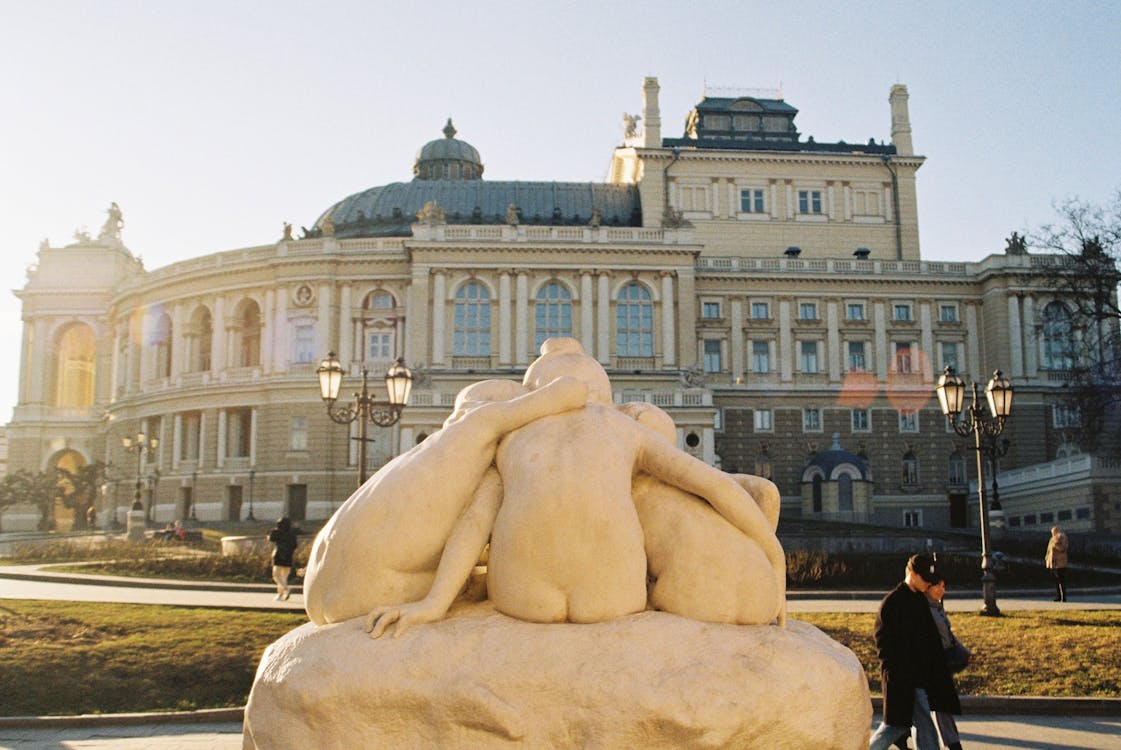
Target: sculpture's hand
{"points": [[404, 615]]}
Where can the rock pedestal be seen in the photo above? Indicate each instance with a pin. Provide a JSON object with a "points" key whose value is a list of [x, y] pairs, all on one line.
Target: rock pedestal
{"points": [[479, 679], [137, 525]]}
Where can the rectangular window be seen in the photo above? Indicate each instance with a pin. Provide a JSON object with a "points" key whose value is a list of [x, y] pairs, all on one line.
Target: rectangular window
{"points": [[903, 360], [854, 311], [856, 356], [712, 356], [760, 311], [912, 519], [303, 343], [693, 197], [297, 434], [760, 356], [809, 201], [809, 356], [379, 345], [1081, 514], [239, 432], [909, 422], [1065, 415], [710, 310], [811, 419], [901, 313], [948, 313], [189, 448], [807, 311], [949, 355], [1047, 517], [861, 420], [866, 202], [1065, 515], [1029, 519], [1014, 521], [751, 201], [763, 421]]}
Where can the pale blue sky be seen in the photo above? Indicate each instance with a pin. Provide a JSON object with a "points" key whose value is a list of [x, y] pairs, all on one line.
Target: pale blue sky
{"points": [[211, 123]]}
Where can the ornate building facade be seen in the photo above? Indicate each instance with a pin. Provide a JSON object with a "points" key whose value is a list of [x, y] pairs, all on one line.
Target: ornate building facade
{"points": [[766, 290]]}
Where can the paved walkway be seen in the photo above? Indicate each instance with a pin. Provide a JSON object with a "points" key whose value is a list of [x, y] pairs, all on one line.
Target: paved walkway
{"points": [[1032, 729]]}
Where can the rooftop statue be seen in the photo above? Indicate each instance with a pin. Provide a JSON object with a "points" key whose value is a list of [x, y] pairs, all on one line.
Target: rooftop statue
{"points": [[431, 213], [327, 226], [287, 232], [111, 230], [630, 125]]}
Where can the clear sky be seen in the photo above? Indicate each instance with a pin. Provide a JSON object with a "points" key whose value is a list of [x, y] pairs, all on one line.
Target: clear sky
{"points": [[212, 123]]}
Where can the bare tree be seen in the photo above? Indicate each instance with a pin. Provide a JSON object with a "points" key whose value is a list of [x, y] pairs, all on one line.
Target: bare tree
{"points": [[1084, 245]]}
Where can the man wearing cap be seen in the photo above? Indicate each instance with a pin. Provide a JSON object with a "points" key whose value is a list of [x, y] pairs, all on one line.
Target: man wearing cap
{"points": [[915, 677]]}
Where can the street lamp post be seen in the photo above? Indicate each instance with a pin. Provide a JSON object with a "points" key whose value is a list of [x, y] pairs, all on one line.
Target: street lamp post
{"points": [[140, 444], [194, 500], [251, 517], [951, 397], [398, 385]]}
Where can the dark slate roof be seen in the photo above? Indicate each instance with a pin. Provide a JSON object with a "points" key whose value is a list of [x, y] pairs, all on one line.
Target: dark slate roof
{"points": [[762, 144], [829, 460], [389, 210], [724, 104]]}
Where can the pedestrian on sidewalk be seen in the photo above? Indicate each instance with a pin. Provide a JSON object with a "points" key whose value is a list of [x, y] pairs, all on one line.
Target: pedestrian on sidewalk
{"points": [[957, 658], [914, 672], [1056, 561], [283, 535]]}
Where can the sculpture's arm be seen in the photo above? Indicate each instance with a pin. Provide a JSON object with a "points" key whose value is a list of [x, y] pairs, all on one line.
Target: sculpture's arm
{"points": [[673, 466], [456, 563]]}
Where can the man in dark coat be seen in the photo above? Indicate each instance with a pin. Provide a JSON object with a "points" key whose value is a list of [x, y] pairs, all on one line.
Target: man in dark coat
{"points": [[915, 677]]}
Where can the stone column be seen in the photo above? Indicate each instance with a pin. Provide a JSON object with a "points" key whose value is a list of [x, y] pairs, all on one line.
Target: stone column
{"points": [[178, 342], [323, 329], [587, 312], [603, 307], [735, 319], [220, 459], [786, 341], [147, 353], [521, 319], [439, 316], [1015, 337], [833, 340], [40, 349], [926, 334], [176, 440], [218, 336], [268, 331], [253, 436], [879, 328], [669, 355], [281, 350], [686, 302], [505, 319], [416, 317], [202, 438], [972, 342], [346, 326], [1031, 338]]}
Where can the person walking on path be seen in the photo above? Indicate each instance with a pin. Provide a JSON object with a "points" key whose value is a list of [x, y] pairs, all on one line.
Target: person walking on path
{"points": [[283, 535], [914, 672], [1056, 561], [957, 658]]}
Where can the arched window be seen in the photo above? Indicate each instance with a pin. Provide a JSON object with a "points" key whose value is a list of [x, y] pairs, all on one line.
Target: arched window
{"points": [[1058, 349], [200, 335], [634, 322], [910, 469], [247, 335], [161, 340], [74, 367], [844, 492], [553, 313], [472, 320], [957, 469], [817, 493], [763, 466]]}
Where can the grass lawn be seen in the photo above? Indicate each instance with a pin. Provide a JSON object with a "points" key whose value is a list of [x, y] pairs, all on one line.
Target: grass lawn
{"points": [[69, 658]]}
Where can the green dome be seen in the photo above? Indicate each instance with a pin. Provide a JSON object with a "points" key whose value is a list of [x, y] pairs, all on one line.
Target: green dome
{"points": [[448, 159]]}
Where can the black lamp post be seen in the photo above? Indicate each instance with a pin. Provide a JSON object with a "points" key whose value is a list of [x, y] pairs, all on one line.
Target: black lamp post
{"points": [[251, 517], [398, 385], [139, 444], [951, 397], [194, 500]]}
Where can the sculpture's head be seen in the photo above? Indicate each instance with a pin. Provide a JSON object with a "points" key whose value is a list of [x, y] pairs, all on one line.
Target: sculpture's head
{"points": [[483, 392], [565, 356]]}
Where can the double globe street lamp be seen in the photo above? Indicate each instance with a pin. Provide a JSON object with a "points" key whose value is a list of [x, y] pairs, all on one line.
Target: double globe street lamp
{"points": [[364, 409], [951, 398], [140, 444]]}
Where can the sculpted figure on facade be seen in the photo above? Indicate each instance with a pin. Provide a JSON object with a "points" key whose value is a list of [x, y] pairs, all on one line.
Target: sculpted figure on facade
{"points": [[512, 217], [287, 235], [526, 466], [630, 125], [111, 230], [327, 226], [431, 213]]}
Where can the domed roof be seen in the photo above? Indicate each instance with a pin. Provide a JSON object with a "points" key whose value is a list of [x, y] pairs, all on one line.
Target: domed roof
{"points": [[827, 462], [448, 159]]}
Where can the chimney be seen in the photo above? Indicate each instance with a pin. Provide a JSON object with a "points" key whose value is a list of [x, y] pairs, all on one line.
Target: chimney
{"points": [[900, 121], [651, 115]]}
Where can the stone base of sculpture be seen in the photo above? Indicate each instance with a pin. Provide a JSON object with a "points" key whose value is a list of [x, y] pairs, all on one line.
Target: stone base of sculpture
{"points": [[137, 525], [480, 679]]}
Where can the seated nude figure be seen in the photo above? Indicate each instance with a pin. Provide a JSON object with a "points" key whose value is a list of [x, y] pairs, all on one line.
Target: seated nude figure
{"points": [[701, 565], [566, 541], [383, 545]]}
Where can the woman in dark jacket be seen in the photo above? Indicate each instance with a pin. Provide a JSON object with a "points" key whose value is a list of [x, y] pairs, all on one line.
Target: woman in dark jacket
{"points": [[284, 537]]}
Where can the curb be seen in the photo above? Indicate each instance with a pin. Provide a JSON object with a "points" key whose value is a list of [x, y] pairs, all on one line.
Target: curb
{"points": [[972, 705], [147, 583]]}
